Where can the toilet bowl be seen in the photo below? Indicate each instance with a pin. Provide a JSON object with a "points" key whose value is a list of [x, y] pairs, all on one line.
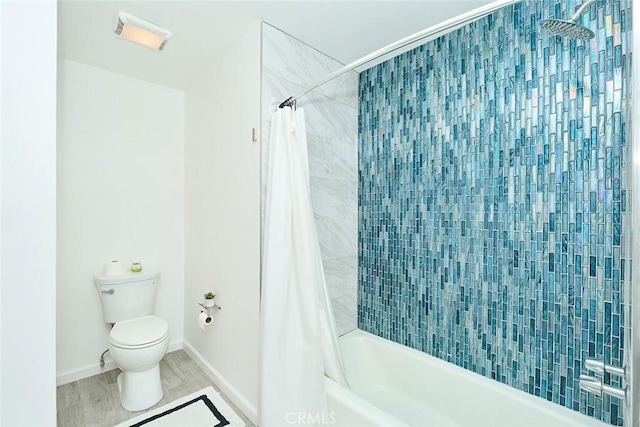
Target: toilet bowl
{"points": [[138, 339], [137, 346]]}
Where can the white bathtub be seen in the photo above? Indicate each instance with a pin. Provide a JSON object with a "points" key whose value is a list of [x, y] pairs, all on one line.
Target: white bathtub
{"points": [[393, 385]]}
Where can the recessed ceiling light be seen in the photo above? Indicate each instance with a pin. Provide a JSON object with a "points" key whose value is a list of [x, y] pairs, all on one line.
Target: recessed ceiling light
{"points": [[142, 32]]}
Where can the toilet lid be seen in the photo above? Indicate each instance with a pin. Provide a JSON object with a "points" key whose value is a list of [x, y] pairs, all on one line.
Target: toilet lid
{"points": [[139, 332]]}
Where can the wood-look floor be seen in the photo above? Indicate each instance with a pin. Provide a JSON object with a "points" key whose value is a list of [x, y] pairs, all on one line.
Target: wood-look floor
{"points": [[95, 401]]}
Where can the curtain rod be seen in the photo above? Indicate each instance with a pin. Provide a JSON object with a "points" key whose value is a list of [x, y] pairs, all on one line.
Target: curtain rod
{"points": [[432, 32]]}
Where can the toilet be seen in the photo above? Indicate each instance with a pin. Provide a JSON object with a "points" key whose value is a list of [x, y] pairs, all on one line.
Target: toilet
{"points": [[138, 340]]}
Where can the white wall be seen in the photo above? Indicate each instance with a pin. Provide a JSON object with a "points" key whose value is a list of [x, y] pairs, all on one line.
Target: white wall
{"points": [[120, 196], [222, 218], [28, 168], [1, 133]]}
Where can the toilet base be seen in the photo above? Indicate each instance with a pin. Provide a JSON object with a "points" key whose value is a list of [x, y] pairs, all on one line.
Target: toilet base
{"points": [[140, 390]]}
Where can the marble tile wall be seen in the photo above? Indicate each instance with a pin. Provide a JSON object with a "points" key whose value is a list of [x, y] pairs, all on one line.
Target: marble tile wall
{"points": [[288, 66], [494, 200]]}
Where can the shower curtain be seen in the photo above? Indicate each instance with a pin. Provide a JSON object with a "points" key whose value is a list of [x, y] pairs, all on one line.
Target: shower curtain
{"points": [[299, 345]]}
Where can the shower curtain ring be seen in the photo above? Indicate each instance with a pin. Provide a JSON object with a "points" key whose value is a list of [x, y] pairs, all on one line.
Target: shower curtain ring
{"points": [[286, 102], [289, 102]]}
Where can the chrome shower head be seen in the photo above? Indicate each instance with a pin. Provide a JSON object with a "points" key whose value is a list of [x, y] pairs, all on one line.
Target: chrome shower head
{"points": [[569, 29]]}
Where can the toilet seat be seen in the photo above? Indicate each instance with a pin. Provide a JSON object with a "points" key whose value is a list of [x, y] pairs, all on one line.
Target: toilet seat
{"points": [[139, 333]]}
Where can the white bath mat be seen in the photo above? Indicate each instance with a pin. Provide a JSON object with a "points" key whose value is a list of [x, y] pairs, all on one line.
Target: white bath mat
{"points": [[205, 408]]}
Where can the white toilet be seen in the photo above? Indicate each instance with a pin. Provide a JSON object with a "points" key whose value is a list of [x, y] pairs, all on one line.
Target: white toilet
{"points": [[138, 339]]}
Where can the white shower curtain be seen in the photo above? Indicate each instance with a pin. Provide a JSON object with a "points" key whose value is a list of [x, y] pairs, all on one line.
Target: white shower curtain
{"points": [[299, 344]]}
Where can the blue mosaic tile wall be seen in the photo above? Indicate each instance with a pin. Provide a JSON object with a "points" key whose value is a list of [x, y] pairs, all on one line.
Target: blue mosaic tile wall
{"points": [[493, 200]]}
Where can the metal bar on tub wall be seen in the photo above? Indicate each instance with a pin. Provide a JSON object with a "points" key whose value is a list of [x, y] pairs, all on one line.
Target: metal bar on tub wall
{"points": [[631, 359], [600, 367]]}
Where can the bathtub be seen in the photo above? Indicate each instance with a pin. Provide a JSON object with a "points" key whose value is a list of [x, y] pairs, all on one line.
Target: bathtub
{"points": [[393, 385]]}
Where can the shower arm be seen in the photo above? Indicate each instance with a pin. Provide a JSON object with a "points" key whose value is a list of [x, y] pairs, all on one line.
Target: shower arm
{"points": [[429, 34], [575, 17]]}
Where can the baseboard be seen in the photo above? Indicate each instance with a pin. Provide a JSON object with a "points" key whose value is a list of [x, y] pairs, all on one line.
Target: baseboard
{"points": [[85, 371], [95, 369], [239, 400]]}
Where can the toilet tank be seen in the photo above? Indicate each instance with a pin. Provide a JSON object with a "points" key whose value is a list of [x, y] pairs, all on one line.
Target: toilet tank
{"points": [[127, 296]]}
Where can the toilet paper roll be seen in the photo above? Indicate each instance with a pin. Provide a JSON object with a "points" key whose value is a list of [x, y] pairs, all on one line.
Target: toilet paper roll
{"points": [[204, 319], [114, 268]]}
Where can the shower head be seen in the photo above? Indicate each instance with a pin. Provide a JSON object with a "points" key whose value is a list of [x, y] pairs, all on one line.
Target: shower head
{"points": [[569, 28]]}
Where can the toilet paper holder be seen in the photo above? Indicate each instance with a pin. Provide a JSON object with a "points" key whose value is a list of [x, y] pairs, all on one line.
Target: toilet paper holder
{"points": [[214, 306]]}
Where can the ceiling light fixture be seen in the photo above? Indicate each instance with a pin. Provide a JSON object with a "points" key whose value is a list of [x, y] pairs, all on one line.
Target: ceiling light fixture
{"points": [[142, 32]]}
